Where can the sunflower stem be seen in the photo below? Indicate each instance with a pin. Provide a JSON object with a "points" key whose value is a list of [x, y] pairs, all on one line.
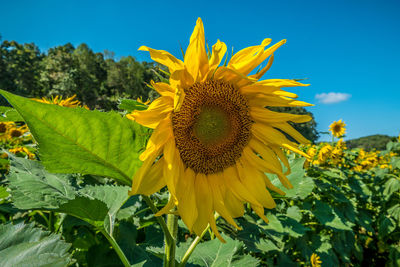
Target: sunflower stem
{"points": [[170, 247], [116, 247]]}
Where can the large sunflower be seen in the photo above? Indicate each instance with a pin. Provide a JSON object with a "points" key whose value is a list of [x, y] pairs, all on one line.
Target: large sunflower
{"points": [[337, 128], [213, 138]]}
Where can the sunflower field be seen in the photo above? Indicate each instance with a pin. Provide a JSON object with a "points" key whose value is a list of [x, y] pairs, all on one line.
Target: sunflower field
{"points": [[206, 174]]}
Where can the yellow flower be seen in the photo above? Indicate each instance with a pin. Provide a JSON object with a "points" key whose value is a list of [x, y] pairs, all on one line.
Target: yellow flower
{"points": [[311, 152], [337, 128], [23, 150], [140, 100], [213, 140], [341, 144], [315, 260], [70, 102], [5, 126], [324, 153]]}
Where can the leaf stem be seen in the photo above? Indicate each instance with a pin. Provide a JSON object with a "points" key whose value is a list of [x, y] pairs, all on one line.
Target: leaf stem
{"points": [[190, 250], [170, 247], [116, 247]]}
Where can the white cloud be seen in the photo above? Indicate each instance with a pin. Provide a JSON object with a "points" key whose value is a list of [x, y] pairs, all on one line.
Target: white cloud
{"points": [[331, 98]]}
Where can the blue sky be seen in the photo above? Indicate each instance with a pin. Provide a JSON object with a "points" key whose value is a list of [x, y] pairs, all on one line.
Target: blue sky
{"points": [[345, 47]]}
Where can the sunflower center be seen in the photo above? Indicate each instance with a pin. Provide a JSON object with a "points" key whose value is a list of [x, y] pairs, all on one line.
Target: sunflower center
{"points": [[212, 127], [337, 128]]}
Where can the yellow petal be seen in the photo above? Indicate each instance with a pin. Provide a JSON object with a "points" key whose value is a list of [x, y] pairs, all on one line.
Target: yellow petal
{"points": [[219, 202], [158, 110], [271, 136], [180, 80], [231, 178], [187, 207], [264, 70], [254, 182], [232, 76], [265, 166], [278, 151], [218, 52], [164, 58], [260, 212], [279, 83], [287, 128], [232, 203], [276, 101], [204, 203], [167, 208], [266, 153], [196, 60], [249, 58], [164, 89], [141, 183], [173, 167], [214, 228], [268, 116], [160, 136], [256, 89]]}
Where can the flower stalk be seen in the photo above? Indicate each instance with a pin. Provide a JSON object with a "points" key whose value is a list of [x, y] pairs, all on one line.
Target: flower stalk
{"points": [[170, 245]]}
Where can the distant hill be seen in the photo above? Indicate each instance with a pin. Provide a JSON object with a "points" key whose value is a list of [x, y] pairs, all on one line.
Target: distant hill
{"points": [[377, 141]]}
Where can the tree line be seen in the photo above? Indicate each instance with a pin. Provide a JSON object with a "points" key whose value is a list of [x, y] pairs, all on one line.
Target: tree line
{"points": [[98, 80]]}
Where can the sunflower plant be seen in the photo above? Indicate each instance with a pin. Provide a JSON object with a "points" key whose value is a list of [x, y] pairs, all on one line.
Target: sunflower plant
{"points": [[209, 140]]}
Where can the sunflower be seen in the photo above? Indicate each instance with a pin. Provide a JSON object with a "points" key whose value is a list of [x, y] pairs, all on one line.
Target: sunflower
{"points": [[70, 102], [213, 138], [337, 128], [315, 260]]}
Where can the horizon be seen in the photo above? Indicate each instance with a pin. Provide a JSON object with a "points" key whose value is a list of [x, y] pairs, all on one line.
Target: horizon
{"points": [[349, 56]]}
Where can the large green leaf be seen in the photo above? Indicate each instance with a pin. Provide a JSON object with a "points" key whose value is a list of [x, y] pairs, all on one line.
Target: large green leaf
{"points": [[32, 187], [217, 254], [302, 185], [26, 245], [9, 114], [76, 140]]}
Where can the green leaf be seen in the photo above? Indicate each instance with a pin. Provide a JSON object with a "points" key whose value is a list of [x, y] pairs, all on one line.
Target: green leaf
{"points": [[395, 161], [215, 253], [3, 192], [386, 225], [302, 185], [32, 187], [9, 114], [395, 212], [26, 245], [294, 213], [76, 140], [329, 217], [266, 245], [113, 196], [131, 105], [391, 186]]}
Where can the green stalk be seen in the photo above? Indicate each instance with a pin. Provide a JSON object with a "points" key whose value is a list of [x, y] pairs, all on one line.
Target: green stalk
{"points": [[116, 247], [170, 245], [51, 221], [190, 250]]}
